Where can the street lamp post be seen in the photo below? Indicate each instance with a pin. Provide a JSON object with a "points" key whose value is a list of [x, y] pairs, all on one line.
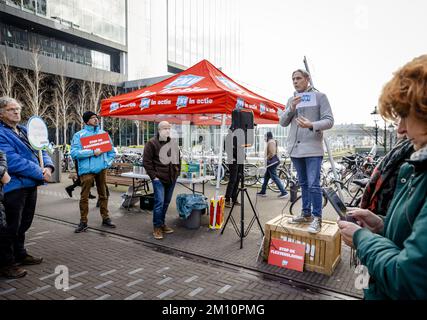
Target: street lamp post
{"points": [[375, 114], [391, 129], [385, 137]]}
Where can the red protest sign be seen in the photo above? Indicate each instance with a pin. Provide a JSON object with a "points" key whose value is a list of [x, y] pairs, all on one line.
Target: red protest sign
{"points": [[287, 254], [98, 141]]}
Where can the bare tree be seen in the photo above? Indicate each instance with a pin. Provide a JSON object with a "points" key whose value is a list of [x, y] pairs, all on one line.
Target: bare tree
{"points": [[112, 123], [95, 93], [33, 88], [54, 115], [64, 99], [7, 77], [82, 102], [370, 132]]}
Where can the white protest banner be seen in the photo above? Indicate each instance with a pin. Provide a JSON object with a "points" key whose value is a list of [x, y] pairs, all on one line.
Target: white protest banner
{"points": [[38, 135]]}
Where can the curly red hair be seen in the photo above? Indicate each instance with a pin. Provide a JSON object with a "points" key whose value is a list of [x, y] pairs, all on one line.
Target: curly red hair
{"points": [[407, 89]]}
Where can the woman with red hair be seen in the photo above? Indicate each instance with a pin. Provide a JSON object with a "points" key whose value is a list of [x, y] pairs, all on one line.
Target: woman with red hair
{"points": [[394, 247]]}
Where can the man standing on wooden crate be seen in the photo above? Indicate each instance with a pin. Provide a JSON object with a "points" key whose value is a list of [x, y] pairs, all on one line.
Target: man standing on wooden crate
{"points": [[308, 113], [163, 164], [92, 166]]}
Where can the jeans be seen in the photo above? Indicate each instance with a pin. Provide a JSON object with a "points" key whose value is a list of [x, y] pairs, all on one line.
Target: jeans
{"points": [[271, 172], [308, 170], [162, 197], [19, 207]]}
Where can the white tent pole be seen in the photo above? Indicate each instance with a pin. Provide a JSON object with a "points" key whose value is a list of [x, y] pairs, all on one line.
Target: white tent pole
{"points": [[325, 140], [218, 178]]}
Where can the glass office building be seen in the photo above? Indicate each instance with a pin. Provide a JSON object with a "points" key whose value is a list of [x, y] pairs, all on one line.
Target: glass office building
{"points": [[105, 19], [86, 32], [204, 29]]}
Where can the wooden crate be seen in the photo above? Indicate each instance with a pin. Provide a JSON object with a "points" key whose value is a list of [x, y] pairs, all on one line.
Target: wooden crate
{"points": [[323, 250]]}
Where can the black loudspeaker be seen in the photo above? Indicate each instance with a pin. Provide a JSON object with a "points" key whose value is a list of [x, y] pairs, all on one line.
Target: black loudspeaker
{"points": [[244, 119]]}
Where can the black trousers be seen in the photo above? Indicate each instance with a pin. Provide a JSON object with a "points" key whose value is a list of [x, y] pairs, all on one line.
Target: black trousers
{"points": [[233, 183], [20, 206]]}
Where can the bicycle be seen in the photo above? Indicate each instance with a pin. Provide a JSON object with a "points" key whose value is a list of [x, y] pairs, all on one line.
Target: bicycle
{"points": [[67, 163], [350, 200]]}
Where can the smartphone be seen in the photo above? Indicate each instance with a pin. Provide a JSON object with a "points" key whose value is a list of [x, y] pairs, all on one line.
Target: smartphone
{"points": [[338, 205]]}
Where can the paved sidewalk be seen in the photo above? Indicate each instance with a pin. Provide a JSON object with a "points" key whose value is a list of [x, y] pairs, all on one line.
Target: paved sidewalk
{"points": [[105, 267], [203, 243]]}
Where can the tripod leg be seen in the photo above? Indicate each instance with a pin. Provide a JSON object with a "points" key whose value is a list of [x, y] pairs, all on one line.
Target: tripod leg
{"points": [[255, 215], [230, 217]]}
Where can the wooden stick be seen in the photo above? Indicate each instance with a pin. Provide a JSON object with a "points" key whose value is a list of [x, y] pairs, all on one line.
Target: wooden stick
{"points": [[41, 159]]}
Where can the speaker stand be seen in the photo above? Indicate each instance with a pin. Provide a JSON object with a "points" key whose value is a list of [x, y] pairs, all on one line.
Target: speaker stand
{"points": [[242, 233]]}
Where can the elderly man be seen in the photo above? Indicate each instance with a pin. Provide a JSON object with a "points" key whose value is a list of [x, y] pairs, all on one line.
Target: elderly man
{"points": [[92, 166], [20, 194], [308, 120], [163, 165]]}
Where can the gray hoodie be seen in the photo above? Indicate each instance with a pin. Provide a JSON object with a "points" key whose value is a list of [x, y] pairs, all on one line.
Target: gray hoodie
{"points": [[302, 142]]}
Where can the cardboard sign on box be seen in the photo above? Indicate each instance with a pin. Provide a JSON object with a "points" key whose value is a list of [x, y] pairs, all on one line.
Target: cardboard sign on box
{"points": [[98, 141], [287, 255]]}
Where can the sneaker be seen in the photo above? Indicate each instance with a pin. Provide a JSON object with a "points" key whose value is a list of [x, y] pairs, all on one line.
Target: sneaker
{"points": [[315, 226], [237, 203], [301, 219], [228, 203], [260, 194], [12, 272], [166, 229], [158, 233], [283, 196], [69, 191], [91, 196], [108, 223], [81, 228], [29, 260]]}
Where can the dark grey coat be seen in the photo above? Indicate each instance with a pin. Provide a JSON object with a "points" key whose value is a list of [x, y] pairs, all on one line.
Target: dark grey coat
{"points": [[303, 142]]}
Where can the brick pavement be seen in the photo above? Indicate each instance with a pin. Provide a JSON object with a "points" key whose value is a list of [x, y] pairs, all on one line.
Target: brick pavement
{"points": [[209, 244], [100, 268]]}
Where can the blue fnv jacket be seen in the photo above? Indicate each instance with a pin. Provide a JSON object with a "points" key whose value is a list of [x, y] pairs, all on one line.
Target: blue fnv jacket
{"points": [[87, 161], [22, 161]]}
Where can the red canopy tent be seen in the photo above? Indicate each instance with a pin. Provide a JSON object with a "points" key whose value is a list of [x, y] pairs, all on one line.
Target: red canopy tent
{"points": [[199, 95]]}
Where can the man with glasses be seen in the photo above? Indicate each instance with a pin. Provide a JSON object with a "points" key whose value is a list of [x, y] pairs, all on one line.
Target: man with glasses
{"points": [[92, 166], [20, 194]]}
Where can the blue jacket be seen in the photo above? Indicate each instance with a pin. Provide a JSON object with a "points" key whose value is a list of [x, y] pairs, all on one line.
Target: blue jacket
{"points": [[87, 161], [23, 164]]}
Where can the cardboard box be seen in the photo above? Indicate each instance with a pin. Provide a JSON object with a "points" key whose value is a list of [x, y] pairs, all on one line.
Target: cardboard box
{"points": [[193, 170], [323, 250]]}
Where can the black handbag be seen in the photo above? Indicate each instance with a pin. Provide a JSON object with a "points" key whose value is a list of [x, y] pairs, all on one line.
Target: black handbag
{"points": [[273, 161]]}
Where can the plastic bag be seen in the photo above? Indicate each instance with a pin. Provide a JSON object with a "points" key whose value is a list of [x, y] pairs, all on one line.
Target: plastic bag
{"points": [[185, 203]]}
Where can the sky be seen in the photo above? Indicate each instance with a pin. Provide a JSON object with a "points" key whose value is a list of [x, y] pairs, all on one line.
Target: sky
{"points": [[353, 48]]}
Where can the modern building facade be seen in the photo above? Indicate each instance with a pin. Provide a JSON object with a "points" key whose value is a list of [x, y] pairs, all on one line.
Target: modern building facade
{"points": [[80, 39], [203, 29]]}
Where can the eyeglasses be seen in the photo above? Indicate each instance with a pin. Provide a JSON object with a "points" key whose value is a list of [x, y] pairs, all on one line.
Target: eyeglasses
{"points": [[12, 110]]}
